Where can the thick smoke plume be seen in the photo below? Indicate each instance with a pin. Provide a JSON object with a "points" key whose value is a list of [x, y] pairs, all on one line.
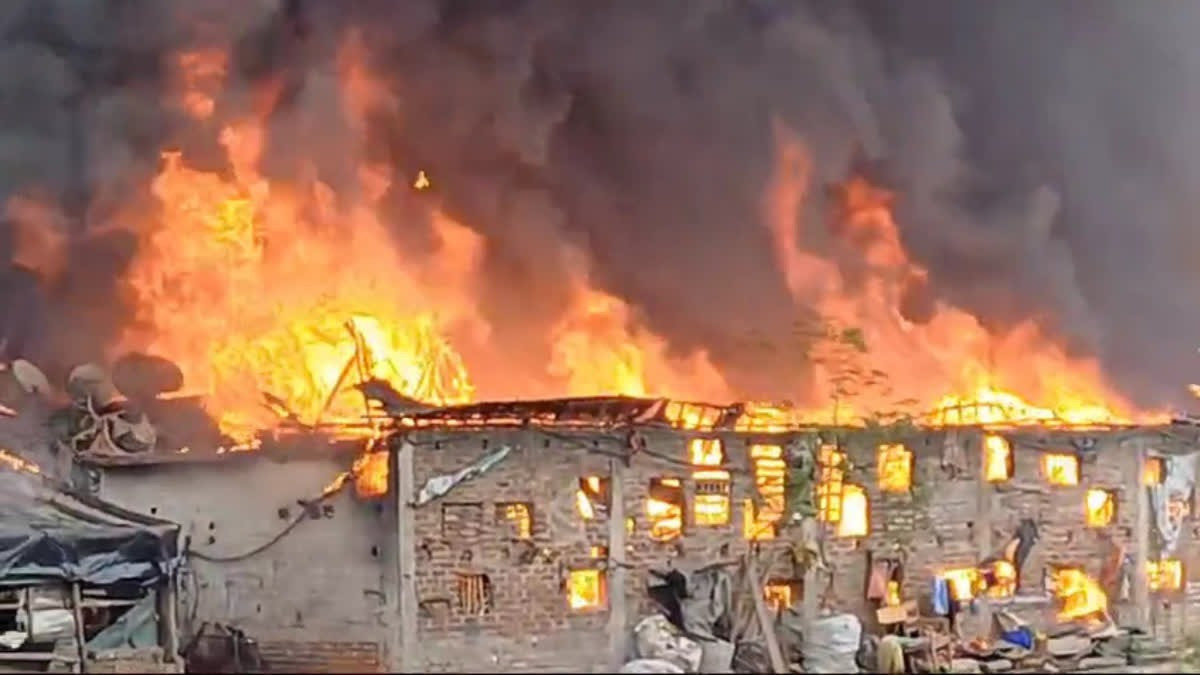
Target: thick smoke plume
{"points": [[1038, 151]]}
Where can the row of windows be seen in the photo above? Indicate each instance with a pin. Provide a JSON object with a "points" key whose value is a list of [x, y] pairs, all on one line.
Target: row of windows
{"points": [[841, 504], [586, 589]]}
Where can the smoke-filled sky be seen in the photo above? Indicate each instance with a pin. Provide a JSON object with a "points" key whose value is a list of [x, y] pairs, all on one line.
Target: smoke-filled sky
{"points": [[1042, 153]]}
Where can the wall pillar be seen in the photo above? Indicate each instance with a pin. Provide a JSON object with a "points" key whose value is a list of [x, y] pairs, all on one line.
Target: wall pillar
{"points": [[984, 546], [1141, 537], [617, 600], [409, 657]]}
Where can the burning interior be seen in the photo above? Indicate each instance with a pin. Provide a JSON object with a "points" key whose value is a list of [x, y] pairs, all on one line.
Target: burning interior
{"points": [[1080, 595]]}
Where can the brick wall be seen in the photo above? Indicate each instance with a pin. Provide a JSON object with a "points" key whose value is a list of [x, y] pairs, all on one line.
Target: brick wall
{"points": [[530, 625], [321, 657], [330, 579], [939, 524]]}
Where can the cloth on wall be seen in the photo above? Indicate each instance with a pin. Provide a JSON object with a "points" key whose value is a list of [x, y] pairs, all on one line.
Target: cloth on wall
{"points": [[1179, 479], [940, 598], [882, 572]]}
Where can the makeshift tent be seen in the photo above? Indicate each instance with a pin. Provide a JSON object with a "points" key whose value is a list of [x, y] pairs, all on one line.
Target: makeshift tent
{"points": [[48, 535]]}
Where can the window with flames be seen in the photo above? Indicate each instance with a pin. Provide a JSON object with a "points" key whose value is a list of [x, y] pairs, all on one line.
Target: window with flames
{"points": [[1060, 469], [781, 595], [839, 503], [1079, 594], [519, 516], [586, 589], [856, 516], [591, 498], [711, 503], [995, 579], [997, 459], [1153, 471], [664, 508], [770, 479], [1100, 507], [1164, 576], [831, 467], [894, 468]]}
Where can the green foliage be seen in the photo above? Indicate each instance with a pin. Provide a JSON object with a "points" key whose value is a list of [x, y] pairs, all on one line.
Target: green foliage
{"points": [[844, 354]]}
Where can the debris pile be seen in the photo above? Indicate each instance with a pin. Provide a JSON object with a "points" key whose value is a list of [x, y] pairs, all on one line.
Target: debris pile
{"points": [[1071, 647], [703, 625]]}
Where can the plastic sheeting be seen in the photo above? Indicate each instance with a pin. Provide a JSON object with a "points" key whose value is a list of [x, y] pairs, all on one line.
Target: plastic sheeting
{"points": [[439, 486], [48, 536], [831, 644]]}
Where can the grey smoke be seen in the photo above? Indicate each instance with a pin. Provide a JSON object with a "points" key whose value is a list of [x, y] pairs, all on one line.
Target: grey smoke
{"points": [[1040, 150]]}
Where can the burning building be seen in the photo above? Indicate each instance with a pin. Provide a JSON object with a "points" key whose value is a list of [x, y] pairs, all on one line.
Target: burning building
{"points": [[309, 272], [521, 535]]}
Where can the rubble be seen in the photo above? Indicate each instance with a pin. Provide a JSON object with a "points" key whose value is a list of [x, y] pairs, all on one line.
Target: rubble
{"points": [[657, 640]]}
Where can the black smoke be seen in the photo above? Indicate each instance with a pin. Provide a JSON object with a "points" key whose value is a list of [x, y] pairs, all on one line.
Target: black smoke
{"points": [[1039, 151]]}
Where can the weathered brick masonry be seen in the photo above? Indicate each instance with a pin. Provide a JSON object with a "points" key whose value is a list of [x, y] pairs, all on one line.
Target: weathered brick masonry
{"points": [[492, 596]]}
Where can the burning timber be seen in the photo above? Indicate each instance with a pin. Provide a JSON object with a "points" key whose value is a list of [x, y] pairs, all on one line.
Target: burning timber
{"points": [[537, 535]]}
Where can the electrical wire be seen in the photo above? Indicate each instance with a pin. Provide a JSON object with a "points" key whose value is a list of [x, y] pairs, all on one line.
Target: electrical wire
{"points": [[287, 529]]}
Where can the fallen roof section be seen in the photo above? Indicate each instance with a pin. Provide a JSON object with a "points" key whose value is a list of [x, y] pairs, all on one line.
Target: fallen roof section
{"points": [[49, 535]]}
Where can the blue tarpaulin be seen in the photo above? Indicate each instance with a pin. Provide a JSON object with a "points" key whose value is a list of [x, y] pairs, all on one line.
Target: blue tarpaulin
{"points": [[50, 535]]}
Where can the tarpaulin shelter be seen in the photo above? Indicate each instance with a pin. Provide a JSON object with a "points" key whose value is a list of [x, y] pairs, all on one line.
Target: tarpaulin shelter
{"points": [[48, 535]]}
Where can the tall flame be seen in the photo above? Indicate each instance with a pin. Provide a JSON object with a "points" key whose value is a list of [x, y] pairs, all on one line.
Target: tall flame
{"points": [[948, 363], [295, 290]]}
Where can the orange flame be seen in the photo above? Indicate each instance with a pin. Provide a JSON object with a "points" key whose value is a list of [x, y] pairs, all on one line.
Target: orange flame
{"points": [[257, 287], [297, 289], [17, 463], [949, 363]]}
